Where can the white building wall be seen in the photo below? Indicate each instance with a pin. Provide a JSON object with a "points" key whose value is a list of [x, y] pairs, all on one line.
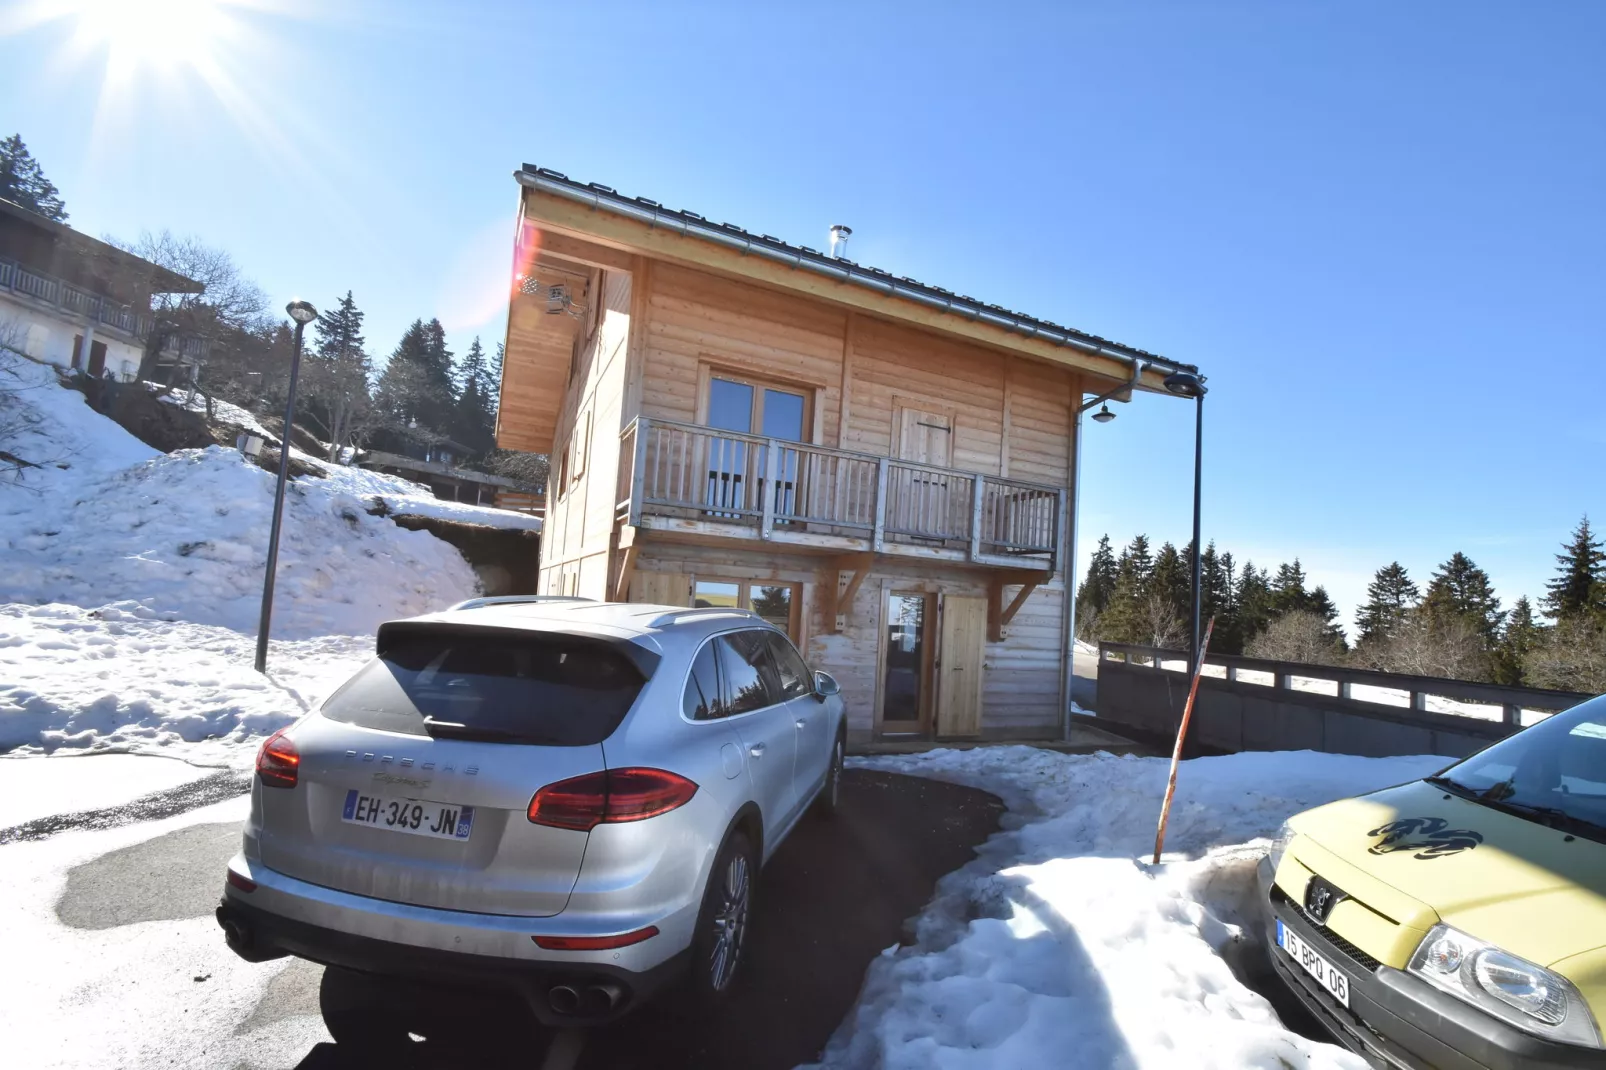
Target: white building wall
{"points": [[47, 337]]}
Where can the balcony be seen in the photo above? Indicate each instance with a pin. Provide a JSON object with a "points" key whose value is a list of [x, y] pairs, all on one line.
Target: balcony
{"points": [[89, 307], [704, 483]]}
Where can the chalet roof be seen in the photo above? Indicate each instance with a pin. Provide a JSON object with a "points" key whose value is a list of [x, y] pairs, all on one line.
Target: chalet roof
{"points": [[58, 249], [695, 225]]}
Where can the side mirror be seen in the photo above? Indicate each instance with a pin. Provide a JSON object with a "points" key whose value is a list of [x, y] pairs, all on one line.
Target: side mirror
{"points": [[825, 684]]}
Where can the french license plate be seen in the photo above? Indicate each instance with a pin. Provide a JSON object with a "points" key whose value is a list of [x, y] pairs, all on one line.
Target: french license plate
{"points": [[1328, 975], [441, 820]]}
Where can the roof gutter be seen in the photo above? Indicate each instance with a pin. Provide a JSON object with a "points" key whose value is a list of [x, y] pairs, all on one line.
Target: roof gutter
{"points": [[657, 216]]}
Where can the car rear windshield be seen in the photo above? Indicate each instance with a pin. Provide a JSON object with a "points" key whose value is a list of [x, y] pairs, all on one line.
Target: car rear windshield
{"points": [[541, 689], [1553, 773]]}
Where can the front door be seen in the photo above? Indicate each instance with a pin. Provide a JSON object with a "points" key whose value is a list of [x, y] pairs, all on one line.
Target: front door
{"points": [[959, 666]]}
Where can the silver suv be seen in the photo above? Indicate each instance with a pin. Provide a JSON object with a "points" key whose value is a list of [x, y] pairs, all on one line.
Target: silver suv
{"points": [[565, 798]]}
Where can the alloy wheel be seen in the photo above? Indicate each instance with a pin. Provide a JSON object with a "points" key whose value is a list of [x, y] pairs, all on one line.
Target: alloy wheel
{"points": [[730, 922]]}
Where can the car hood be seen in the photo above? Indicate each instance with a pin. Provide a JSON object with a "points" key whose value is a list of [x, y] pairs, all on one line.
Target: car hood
{"points": [[1523, 886]]}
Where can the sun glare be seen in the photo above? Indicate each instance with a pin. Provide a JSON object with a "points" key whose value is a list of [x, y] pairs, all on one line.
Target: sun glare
{"points": [[163, 34]]}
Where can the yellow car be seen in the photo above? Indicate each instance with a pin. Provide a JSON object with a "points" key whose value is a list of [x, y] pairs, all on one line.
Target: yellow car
{"points": [[1459, 920]]}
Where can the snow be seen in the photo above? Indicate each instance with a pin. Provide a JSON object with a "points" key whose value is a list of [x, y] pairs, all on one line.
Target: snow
{"points": [[1061, 945], [113, 679], [222, 411], [400, 495], [31, 788], [183, 536]]}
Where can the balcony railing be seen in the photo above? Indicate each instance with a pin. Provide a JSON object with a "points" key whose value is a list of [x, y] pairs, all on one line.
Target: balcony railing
{"points": [[800, 493], [54, 291]]}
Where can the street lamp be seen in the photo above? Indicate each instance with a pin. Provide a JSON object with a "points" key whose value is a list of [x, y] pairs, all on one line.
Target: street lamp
{"points": [[1191, 385], [303, 313]]}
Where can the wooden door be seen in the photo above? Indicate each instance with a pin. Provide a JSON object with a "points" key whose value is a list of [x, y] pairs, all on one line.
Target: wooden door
{"points": [[661, 588], [923, 501], [959, 666]]}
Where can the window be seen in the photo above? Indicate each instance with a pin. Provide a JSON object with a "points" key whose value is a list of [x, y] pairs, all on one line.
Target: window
{"points": [[548, 690], [701, 701], [751, 682], [757, 408], [795, 678], [772, 601]]}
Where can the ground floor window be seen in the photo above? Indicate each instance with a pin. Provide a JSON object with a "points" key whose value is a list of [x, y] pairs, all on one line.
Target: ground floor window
{"points": [[778, 603], [906, 673]]}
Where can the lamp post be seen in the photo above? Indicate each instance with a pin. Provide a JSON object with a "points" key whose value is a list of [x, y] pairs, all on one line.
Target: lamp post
{"points": [[1191, 385], [303, 313]]}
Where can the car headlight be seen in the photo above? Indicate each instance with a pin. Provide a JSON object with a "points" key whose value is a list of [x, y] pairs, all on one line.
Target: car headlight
{"points": [[1279, 846], [1530, 997]]}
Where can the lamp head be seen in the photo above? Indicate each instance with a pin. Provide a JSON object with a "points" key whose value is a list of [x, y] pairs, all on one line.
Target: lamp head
{"points": [[1104, 415], [301, 311], [1185, 384]]}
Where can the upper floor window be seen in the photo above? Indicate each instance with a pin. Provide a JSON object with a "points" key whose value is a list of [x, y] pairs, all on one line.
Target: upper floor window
{"points": [[754, 407]]}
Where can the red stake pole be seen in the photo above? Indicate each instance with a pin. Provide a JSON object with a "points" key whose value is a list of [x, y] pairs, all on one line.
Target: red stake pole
{"points": [[1182, 732]]}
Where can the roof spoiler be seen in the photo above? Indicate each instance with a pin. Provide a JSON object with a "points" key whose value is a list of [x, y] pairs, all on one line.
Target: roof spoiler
{"points": [[646, 661]]}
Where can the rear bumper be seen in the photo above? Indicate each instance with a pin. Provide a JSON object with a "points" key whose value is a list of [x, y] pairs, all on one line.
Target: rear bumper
{"points": [[284, 916], [1395, 1020]]}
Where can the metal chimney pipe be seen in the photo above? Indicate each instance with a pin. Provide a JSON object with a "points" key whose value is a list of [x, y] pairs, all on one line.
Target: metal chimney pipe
{"points": [[839, 241]]}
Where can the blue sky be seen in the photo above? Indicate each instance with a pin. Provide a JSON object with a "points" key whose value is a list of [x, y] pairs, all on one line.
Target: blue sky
{"points": [[1379, 228]]}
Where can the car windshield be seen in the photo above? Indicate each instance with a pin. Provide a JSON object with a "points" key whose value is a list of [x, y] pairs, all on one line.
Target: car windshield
{"points": [[554, 690], [1553, 773]]}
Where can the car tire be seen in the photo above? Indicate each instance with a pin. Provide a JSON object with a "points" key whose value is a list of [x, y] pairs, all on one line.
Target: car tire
{"points": [[826, 803], [724, 922]]}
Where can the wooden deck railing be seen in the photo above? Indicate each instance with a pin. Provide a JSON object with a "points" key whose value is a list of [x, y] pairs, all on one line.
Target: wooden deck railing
{"points": [[784, 488]]}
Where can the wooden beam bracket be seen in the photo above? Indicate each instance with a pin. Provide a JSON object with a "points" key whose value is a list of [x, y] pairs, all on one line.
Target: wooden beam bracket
{"points": [[630, 548], [998, 614], [841, 606]]}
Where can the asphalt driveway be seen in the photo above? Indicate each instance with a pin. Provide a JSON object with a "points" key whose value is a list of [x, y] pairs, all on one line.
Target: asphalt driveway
{"points": [[836, 894]]}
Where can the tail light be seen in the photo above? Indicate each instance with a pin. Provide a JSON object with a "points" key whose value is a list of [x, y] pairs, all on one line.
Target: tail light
{"points": [[278, 761], [612, 795]]}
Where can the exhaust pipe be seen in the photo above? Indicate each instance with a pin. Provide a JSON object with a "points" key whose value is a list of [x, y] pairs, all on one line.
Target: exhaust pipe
{"points": [[563, 999], [600, 999], [235, 933]]}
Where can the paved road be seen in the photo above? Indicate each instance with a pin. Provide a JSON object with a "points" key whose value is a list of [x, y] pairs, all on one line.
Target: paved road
{"points": [[835, 895]]}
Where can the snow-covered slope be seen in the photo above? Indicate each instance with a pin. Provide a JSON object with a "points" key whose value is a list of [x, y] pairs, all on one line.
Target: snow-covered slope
{"points": [[183, 536], [1061, 946]]}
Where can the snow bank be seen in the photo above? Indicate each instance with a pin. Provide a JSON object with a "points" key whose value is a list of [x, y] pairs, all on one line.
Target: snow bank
{"points": [[1060, 945], [32, 788], [183, 536], [113, 680]]}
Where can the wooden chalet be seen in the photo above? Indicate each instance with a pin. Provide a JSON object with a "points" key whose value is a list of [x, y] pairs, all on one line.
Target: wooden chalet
{"points": [[883, 468]]}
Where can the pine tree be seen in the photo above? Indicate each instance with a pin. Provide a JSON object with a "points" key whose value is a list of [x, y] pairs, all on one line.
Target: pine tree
{"points": [[1288, 588], [1320, 604], [494, 376], [1579, 588], [415, 389], [1252, 604], [1521, 634], [1460, 589], [474, 423], [1172, 581], [1125, 618], [1390, 594], [338, 374], [1215, 586], [1094, 594], [22, 181]]}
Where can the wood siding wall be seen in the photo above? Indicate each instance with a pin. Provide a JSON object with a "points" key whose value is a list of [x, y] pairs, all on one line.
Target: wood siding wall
{"points": [[578, 535]]}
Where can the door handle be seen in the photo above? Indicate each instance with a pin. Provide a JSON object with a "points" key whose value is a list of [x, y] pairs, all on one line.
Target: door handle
{"points": [[756, 750], [802, 723]]}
